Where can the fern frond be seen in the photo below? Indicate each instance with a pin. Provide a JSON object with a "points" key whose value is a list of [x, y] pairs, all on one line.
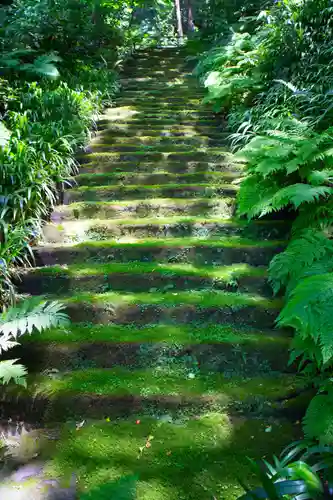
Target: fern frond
{"points": [[296, 195], [311, 252], [318, 420], [254, 195], [9, 371], [32, 315], [309, 312], [320, 216]]}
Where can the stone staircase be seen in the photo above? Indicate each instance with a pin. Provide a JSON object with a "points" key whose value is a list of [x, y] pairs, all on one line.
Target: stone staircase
{"points": [[171, 365]]}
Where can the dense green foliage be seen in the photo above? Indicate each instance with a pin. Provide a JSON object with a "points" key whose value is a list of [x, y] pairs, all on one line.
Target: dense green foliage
{"points": [[271, 77], [58, 70]]}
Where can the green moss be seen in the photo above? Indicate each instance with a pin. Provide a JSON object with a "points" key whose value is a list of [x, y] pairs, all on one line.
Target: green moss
{"points": [[111, 177], [108, 156], [223, 242], [158, 201], [203, 299], [227, 242], [199, 458], [184, 334], [157, 187], [151, 383], [223, 273], [179, 220]]}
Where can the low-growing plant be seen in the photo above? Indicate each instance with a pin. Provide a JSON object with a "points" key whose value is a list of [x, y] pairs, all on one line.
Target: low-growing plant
{"points": [[25, 318], [302, 472]]}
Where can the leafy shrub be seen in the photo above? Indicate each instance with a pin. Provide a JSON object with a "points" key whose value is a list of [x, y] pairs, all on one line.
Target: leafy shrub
{"points": [[278, 96], [229, 72]]}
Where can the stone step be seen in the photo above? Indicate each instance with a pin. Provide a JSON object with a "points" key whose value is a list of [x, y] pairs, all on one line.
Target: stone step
{"points": [[138, 192], [152, 179], [197, 251], [156, 100], [141, 166], [124, 442], [164, 141], [154, 121], [166, 93], [205, 207], [209, 156], [207, 346], [128, 113], [175, 307], [172, 130], [164, 227], [107, 393], [156, 74], [165, 146], [141, 277]]}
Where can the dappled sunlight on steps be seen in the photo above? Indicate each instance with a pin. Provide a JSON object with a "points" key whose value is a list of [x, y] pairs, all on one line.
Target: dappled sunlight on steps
{"points": [[172, 314]]}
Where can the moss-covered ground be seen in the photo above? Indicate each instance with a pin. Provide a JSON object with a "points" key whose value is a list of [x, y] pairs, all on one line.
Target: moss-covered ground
{"points": [[171, 369]]}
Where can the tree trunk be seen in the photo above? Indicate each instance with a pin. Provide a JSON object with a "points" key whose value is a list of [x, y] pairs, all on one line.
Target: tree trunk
{"points": [[190, 25], [179, 19]]}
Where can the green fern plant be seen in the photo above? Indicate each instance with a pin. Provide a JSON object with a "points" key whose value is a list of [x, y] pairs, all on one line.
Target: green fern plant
{"points": [[25, 318], [318, 420], [309, 311], [285, 170], [41, 65], [308, 254]]}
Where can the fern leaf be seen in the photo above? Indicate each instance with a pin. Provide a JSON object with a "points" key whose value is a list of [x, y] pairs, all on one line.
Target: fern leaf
{"points": [[311, 252], [318, 177], [308, 311], [9, 371], [318, 420], [32, 315]]}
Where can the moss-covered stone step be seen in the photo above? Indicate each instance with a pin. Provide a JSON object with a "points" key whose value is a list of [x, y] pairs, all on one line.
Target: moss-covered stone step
{"points": [[164, 227], [156, 120], [181, 80], [108, 140], [208, 155], [207, 207], [96, 179], [155, 74], [206, 347], [155, 100], [109, 164], [197, 251], [121, 133], [177, 306], [128, 113], [159, 146], [173, 130], [184, 92], [159, 106], [183, 461], [137, 192], [142, 277], [98, 393]]}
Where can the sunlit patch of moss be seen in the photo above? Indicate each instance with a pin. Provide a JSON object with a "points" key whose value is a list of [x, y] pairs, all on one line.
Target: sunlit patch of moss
{"points": [[183, 334], [201, 298], [199, 458], [150, 383], [223, 242], [223, 273]]}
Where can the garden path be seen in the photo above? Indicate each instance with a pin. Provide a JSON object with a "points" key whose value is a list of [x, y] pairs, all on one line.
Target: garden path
{"points": [[171, 368]]}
